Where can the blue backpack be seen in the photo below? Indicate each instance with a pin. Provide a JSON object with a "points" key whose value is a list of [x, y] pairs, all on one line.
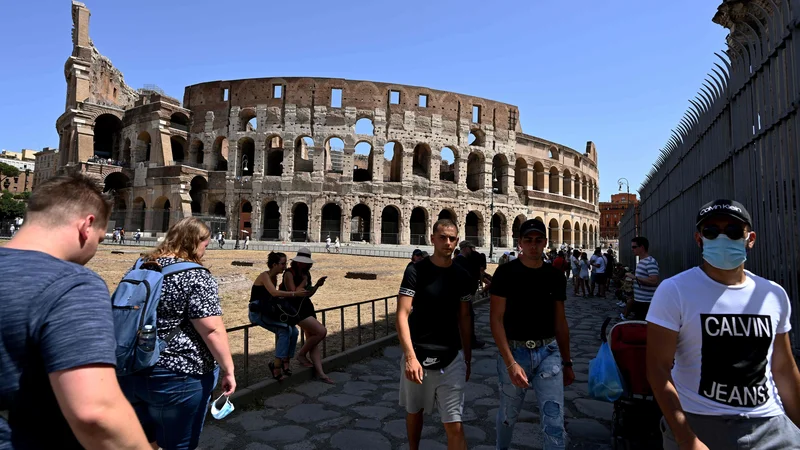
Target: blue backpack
{"points": [[134, 305]]}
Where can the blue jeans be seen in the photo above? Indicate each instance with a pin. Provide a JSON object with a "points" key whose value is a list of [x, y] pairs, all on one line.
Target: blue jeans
{"points": [[171, 406], [286, 334], [542, 366]]}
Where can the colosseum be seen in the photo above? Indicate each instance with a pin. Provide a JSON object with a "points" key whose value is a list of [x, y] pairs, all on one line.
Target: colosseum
{"points": [[300, 159]]}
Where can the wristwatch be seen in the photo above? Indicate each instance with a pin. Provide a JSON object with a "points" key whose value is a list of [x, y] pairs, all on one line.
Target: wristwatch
{"points": [[566, 363]]}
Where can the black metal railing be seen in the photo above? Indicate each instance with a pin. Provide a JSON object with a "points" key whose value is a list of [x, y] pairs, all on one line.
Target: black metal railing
{"points": [[373, 319]]}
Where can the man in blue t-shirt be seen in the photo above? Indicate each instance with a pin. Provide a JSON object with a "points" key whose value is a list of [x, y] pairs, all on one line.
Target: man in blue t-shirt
{"points": [[57, 346]]}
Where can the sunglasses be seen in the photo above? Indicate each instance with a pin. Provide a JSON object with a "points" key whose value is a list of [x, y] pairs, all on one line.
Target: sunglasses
{"points": [[734, 232]]}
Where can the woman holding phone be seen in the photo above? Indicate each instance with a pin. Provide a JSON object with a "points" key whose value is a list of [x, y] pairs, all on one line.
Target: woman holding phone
{"points": [[298, 278]]}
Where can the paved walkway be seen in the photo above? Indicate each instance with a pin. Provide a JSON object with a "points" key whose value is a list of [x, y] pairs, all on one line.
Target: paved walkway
{"points": [[361, 411]]}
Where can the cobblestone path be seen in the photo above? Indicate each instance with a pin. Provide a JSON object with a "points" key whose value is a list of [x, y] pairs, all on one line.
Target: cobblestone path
{"points": [[361, 411]]}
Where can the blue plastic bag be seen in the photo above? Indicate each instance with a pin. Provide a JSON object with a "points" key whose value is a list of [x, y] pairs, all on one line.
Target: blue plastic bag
{"points": [[605, 380]]}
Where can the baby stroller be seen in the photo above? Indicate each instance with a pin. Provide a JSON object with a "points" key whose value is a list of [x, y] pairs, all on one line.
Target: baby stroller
{"points": [[635, 423]]}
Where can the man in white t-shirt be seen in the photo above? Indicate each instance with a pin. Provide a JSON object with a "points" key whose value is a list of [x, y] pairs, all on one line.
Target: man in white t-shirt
{"points": [[575, 265], [727, 331], [598, 276]]}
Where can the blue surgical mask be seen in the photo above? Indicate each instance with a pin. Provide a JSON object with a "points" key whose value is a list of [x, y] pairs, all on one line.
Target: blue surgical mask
{"points": [[725, 253], [221, 407]]}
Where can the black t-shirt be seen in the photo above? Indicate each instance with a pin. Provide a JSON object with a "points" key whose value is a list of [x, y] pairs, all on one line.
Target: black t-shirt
{"points": [[531, 296], [437, 293], [472, 264]]}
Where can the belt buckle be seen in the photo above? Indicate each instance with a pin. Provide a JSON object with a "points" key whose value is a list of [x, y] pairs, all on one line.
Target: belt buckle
{"points": [[530, 344]]}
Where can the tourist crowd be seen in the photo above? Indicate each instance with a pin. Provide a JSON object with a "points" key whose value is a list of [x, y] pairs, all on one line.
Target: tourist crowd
{"points": [[140, 374]]}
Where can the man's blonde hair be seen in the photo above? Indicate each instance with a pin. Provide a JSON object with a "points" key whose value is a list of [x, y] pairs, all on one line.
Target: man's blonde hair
{"points": [[183, 240], [64, 198]]}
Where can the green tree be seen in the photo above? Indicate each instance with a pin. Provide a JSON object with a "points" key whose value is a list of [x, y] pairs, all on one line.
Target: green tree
{"points": [[10, 208]]}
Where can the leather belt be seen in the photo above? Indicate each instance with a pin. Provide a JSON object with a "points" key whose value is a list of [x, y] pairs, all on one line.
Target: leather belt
{"points": [[530, 344]]}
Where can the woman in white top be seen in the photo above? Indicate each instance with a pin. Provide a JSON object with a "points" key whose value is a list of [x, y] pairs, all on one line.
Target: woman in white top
{"points": [[584, 275]]}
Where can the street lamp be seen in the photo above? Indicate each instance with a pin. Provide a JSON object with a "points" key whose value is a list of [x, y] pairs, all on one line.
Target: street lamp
{"points": [[241, 181], [627, 199]]}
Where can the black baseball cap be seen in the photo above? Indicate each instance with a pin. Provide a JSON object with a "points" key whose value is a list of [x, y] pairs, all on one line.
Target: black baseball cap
{"points": [[416, 252], [724, 207], [532, 225]]}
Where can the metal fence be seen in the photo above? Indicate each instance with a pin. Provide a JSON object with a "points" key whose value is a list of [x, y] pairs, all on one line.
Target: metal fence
{"points": [[349, 326], [739, 139]]}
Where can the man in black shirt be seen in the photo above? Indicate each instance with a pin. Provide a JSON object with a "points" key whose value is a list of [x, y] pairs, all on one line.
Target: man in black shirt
{"points": [[529, 326], [416, 256], [433, 369], [473, 263]]}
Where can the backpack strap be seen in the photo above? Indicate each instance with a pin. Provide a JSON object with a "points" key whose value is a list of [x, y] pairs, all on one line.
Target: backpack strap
{"points": [[173, 269], [138, 264]]}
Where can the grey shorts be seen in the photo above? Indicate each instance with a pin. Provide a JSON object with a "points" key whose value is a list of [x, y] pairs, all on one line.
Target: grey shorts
{"points": [[444, 388], [734, 432]]}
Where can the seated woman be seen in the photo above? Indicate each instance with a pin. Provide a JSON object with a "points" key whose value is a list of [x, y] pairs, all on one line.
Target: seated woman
{"points": [[298, 279], [263, 291]]}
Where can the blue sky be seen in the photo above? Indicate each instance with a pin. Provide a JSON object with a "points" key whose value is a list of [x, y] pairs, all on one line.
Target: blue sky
{"points": [[615, 72]]}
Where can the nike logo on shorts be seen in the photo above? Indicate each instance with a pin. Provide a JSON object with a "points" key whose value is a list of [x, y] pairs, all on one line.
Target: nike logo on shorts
{"points": [[430, 361]]}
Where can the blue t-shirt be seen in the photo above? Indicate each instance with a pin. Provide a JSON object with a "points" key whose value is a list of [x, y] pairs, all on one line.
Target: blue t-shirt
{"points": [[54, 315]]}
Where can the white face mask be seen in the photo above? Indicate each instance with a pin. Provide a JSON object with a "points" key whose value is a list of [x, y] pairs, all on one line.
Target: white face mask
{"points": [[221, 407]]}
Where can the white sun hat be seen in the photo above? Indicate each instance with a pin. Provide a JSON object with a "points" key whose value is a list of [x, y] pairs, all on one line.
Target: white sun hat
{"points": [[303, 256]]}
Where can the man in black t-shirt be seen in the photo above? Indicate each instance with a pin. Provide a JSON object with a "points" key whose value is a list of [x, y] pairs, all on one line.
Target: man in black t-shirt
{"points": [[529, 326], [473, 263], [434, 372]]}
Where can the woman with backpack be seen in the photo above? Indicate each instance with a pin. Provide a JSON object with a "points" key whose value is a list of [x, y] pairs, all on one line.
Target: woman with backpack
{"points": [[298, 279], [172, 397], [264, 303]]}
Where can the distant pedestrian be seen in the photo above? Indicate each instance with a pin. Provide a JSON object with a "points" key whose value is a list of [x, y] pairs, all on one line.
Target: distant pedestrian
{"points": [[12, 230], [59, 388], [246, 241], [503, 258], [171, 399], [645, 279], [512, 256], [433, 372], [416, 256], [475, 265], [122, 236], [598, 263], [575, 265], [337, 245], [529, 326], [137, 236], [583, 282], [328, 244]]}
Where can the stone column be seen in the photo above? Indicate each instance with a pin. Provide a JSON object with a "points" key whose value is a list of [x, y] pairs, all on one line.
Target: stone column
{"points": [[560, 184], [461, 173], [256, 223], [485, 232], [284, 224], [346, 218], [405, 229], [528, 180], [545, 182], [376, 223]]}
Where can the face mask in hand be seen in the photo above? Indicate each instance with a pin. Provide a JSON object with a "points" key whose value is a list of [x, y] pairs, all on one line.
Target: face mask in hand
{"points": [[221, 407], [725, 253]]}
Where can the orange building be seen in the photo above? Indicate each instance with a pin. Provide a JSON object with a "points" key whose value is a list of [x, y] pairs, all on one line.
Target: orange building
{"points": [[611, 213]]}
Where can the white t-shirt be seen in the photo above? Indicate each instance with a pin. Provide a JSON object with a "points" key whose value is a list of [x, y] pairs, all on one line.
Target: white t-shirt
{"points": [[575, 262], [725, 341], [600, 261]]}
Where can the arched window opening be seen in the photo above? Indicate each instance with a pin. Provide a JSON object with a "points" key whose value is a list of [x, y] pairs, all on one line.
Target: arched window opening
{"points": [[220, 154], [419, 226], [248, 120], [196, 152], [304, 154], [390, 225], [143, 142], [177, 145], [554, 177], [422, 161], [393, 156], [334, 155], [554, 237], [362, 162], [447, 168], [360, 224], [365, 126], [331, 222], [247, 150], [161, 214], [521, 173], [197, 192], [567, 233], [567, 180], [515, 230], [300, 223], [552, 153], [107, 136], [245, 226], [272, 221], [477, 138], [447, 214], [475, 174], [179, 121], [500, 173], [498, 230], [472, 228], [139, 211]]}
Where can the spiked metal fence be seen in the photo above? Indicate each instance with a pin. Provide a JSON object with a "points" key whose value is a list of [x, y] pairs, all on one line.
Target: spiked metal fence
{"points": [[739, 139]]}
